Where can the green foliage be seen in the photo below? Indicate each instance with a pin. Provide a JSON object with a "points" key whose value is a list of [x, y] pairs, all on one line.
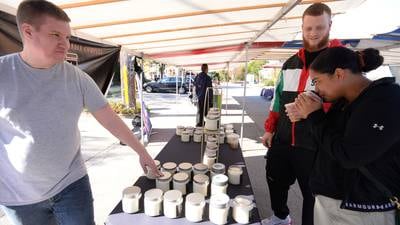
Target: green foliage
{"points": [[223, 75], [255, 66], [239, 73], [268, 82], [122, 109]]}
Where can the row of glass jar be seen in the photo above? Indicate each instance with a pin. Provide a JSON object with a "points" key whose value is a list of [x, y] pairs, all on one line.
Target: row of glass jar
{"points": [[219, 181], [227, 128], [197, 133], [172, 202]]}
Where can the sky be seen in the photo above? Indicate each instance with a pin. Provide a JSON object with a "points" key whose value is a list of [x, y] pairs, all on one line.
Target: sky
{"points": [[376, 16]]}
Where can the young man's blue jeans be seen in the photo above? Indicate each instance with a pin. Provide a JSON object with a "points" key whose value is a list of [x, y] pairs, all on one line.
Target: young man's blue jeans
{"points": [[72, 206]]}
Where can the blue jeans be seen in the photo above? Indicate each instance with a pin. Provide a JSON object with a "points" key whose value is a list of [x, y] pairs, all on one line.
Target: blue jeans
{"points": [[72, 206]]}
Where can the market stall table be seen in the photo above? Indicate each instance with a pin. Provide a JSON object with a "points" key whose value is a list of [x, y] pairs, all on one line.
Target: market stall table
{"points": [[177, 151]]}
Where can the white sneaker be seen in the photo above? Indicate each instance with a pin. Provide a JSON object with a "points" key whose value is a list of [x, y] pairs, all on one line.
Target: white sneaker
{"points": [[273, 220]]}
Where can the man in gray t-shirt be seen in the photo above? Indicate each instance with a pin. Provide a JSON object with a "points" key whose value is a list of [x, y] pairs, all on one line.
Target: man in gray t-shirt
{"points": [[43, 179]]}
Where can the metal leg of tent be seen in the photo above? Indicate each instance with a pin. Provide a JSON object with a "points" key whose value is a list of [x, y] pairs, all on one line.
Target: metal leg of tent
{"points": [[226, 97], [244, 97]]}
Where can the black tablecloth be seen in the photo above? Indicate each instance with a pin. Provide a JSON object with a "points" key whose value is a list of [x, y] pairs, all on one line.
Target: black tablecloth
{"points": [[177, 151]]}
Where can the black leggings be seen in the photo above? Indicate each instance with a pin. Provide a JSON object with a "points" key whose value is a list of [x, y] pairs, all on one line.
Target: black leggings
{"points": [[284, 165]]}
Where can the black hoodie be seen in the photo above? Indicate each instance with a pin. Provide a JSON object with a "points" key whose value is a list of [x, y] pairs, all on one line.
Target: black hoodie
{"points": [[365, 133]]}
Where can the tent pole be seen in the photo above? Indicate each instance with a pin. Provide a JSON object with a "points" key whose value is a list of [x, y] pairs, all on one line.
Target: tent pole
{"points": [[226, 95], [244, 95], [141, 106], [176, 79]]}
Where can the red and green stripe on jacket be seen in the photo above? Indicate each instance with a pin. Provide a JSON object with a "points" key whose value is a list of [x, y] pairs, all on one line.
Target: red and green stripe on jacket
{"points": [[293, 80]]}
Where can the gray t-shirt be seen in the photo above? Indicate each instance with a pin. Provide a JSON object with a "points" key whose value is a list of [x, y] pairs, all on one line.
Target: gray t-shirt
{"points": [[40, 152]]}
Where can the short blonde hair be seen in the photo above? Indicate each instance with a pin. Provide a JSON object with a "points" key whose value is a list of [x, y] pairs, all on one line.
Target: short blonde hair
{"points": [[33, 11]]}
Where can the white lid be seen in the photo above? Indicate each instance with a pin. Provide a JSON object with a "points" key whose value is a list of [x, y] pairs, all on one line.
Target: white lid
{"points": [[211, 139], [169, 166], [201, 179], [222, 134], [211, 154], [165, 176], [213, 116], [132, 192], [220, 180], [195, 199], [185, 166], [241, 200], [180, 127], [235, 169], [229, 131], [218, 168], [232, 136], [219, 200], [154, 194], [198, 132], [173, 196], [213, 147], [200, 167], [186, 132], [189, 128], [215, 109], [229, 126], [181, 177]]}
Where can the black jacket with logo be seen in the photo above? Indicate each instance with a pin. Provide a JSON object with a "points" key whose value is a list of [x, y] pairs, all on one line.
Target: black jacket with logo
{"points": [[364, 133]]}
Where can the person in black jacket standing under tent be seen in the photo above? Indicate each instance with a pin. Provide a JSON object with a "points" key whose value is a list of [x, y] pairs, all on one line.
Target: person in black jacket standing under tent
{"points": [[291, 150], [357, 169], [201, 83]]}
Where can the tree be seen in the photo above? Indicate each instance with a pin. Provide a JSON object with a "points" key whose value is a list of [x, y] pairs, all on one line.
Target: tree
{"points": [[255, 66]]}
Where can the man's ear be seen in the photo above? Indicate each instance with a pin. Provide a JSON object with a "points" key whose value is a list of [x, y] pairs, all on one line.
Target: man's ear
{"points": [[26, 31]]}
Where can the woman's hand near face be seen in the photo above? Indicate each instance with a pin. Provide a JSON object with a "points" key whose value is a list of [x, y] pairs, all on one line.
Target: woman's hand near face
{"points": [[306, 104]]}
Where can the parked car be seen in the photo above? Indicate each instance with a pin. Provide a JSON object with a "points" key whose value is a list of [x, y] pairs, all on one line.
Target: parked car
{"points": [[168, 84]]}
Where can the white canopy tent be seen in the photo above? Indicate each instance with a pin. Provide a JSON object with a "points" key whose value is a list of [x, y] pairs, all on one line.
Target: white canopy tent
{"points": [[187, 33]]}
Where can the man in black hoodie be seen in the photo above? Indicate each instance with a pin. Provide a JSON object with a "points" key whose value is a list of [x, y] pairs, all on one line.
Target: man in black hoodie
{"points": [[201, 83]]}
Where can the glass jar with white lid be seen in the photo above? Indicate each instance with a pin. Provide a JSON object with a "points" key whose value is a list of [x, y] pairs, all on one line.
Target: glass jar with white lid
{"points": [[219, 209], [179, 130], [180, 181], [219, 184], [186, 167], [173, 204], [194, 207], [185, 136], [242, 207], [200, 184], [163, 182], [235, 174], [200, 168], [217, 168], [197, 135], [209, 158], [169, 167], [130, 199], [153, 202]]}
